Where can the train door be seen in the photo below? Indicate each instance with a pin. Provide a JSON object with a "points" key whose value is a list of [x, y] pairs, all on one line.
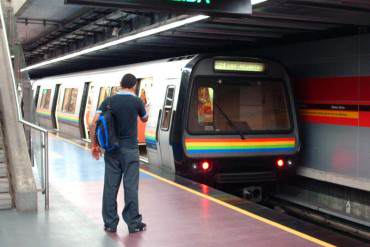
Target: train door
{"points": [[142, 91], [85, 110], [54, 107], [36, 100], [165, 126]]}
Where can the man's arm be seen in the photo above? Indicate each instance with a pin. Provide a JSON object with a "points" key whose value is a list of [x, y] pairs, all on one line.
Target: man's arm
{"points": [[95, 149], [93, 129]]}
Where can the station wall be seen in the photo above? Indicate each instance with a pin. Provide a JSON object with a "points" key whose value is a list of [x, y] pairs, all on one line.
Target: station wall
{"points": [[332, 84]]}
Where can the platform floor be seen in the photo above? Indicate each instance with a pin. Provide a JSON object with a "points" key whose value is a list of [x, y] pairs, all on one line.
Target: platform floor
{"points": [[178, 212]]}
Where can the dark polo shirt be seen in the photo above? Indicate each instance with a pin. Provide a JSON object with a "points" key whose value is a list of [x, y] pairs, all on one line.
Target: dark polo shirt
{"points": [[126, 107]]}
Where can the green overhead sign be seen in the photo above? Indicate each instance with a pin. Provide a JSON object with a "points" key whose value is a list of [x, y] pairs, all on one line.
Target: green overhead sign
{"points": [[209, 7]]}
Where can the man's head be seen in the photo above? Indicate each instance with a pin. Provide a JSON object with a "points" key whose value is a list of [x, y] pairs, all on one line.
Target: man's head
{"points": [[128, 81]]}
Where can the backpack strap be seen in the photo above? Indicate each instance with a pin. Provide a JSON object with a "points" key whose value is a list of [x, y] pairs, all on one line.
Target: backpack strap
{"points": [[109, 106]]}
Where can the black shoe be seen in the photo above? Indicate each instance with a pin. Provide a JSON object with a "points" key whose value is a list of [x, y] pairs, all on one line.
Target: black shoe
{"points": [[110, 230], [141, 227]]}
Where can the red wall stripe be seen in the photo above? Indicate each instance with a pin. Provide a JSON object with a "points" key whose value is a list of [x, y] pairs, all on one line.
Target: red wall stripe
{"points": [[329, 89], [364, 119], [335, 91], [364, 88]]}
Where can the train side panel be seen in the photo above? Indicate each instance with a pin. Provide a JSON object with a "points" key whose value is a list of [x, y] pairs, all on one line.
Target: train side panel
{"points": [[76, 109], [159, 125], [68, 108]]}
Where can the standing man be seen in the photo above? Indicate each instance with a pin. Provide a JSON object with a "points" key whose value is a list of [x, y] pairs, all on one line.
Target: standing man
{"points": [[124, 162]]}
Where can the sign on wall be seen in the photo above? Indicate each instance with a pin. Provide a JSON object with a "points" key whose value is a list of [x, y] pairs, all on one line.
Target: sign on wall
{"points": [[210, 7]]}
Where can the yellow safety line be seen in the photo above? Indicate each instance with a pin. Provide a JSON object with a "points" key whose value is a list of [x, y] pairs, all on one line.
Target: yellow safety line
{"points": [[227, 205]]}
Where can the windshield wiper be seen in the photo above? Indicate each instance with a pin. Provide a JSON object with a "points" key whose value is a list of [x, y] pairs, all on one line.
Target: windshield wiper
{"points": [[229, 121]]}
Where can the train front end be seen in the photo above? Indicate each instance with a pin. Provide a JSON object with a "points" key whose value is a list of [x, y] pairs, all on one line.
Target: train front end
{"points": [[239, 121]]}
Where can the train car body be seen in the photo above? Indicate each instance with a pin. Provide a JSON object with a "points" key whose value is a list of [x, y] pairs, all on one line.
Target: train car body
{"points": [[229, 119]]}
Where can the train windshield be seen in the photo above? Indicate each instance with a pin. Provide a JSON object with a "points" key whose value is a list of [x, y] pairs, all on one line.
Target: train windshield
{"points": [[238, 105]]}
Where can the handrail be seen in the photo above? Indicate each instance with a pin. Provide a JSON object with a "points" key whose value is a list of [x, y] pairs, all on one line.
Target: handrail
{"points": [[33, 126], [45, 132]]}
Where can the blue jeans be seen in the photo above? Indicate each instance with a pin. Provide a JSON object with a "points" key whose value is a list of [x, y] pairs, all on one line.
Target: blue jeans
{"points": [[122, 164]]}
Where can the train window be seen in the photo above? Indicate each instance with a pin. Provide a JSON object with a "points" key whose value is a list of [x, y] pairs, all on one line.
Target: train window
{"points": [[103, 94], [115, 90], [167, 109], [70, 100], [45, 99], [205, 105], [238, 104]]}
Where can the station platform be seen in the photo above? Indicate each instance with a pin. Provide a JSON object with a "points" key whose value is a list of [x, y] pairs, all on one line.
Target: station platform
{"points": [[179, 213]]}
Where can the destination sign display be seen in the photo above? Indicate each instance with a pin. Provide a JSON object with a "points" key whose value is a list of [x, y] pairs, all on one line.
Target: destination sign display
{"points": [[209, 7], [239, 66]]}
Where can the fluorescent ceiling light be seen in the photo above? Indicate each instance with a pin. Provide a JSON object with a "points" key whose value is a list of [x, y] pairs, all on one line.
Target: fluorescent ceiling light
{"points": [[143, 34], [254, 2]]}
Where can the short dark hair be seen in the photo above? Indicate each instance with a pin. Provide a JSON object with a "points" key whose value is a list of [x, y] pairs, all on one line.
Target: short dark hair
{"points": [[128, 81]]}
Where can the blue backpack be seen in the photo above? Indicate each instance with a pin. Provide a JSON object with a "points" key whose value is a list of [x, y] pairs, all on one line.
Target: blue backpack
{"points": [[105, 130]]}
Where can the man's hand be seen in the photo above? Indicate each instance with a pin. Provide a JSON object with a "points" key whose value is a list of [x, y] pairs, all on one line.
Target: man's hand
{"points": [[96, 152]]}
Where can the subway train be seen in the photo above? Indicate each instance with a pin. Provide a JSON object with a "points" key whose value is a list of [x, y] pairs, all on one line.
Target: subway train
{"points": [[223, 119]]}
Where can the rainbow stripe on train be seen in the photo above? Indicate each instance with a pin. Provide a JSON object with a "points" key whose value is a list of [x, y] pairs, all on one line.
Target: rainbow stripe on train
{"points": [[238, 146]]}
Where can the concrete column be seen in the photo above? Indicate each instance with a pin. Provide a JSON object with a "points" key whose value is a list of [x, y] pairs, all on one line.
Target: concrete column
{"points": [[22, 79], [22, 179]]}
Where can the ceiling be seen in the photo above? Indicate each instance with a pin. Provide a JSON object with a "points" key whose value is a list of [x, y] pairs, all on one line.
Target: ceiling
{"points": [[50, 29]]}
